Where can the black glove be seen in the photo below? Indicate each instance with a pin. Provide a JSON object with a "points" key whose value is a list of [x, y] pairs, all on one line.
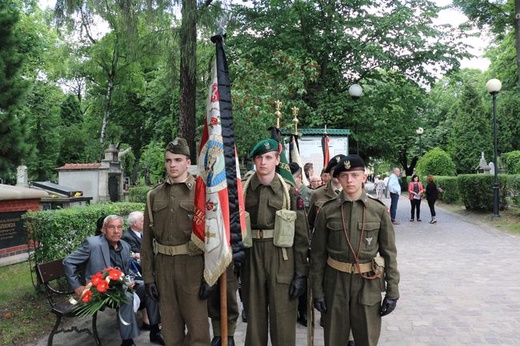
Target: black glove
{"points": [[152, 291], [298, 285], [388, 306], [205, 290], [238, 249], [319, 304]]}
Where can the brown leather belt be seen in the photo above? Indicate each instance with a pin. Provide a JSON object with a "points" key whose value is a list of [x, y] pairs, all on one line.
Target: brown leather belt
{"points": [[349, 268]]}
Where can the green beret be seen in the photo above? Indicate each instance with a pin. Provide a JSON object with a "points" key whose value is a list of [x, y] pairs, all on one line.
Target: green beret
{"points": [[333, 162], [178, 146], [264, 146], [349, 163]]}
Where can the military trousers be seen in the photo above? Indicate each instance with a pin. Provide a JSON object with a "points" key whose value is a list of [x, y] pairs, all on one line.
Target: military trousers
{"points": [[266, 277], [353, 303], [232, 304], [178, 280]]}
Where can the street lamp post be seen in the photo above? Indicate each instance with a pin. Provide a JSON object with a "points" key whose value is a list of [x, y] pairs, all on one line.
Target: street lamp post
{"points": [[420, 132], [355, 91], [493, 86]]}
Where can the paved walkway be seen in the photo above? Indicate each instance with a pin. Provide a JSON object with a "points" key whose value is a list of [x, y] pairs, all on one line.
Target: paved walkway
{"points": [[459, 286]]}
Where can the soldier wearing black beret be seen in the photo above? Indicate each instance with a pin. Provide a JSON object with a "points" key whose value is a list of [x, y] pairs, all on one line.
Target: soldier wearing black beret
{"points": [[353, 257]]}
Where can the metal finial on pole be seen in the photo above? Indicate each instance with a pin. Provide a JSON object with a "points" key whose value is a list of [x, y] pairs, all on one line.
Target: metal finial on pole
{"points": [[278, 114], [295, 120]]}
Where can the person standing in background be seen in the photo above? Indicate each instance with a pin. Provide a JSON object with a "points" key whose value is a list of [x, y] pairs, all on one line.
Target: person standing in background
{"points": [[415, 192], [394, 189], [432, 194]]}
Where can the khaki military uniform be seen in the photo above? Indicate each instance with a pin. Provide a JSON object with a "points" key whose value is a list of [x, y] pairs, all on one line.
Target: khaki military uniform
{"points": [[352, 300], [177, 268], [320, 196], [267, 275]]}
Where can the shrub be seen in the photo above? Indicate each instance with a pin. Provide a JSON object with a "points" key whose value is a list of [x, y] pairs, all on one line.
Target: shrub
{"points": [[138, 193], [59, 232], [450, 189], [436, 162], [511, 162], [476, 191]]}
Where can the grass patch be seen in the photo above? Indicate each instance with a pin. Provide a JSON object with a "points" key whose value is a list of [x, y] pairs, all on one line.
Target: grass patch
{"points": [[25, 315]]}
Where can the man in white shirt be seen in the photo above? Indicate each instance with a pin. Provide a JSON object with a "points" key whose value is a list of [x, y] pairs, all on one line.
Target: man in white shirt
{"points": [[394, 189]]}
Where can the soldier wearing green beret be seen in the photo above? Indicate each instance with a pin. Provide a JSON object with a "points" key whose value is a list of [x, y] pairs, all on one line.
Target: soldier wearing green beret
{"points": [[273, 275], [353, 259], [172, 265]]}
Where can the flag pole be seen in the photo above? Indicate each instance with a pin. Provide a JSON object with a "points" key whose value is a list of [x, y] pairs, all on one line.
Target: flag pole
{"points": [[223, 309]]}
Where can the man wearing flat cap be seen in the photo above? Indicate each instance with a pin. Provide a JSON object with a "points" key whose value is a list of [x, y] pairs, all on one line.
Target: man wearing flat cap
{"points": [[353, 259], [274, 272], [172, 265]]}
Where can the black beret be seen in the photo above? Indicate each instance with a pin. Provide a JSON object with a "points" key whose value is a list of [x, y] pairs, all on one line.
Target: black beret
{"points": [[349, 163], [264, 146], [178, 146], [295, 168], [333, 162]]}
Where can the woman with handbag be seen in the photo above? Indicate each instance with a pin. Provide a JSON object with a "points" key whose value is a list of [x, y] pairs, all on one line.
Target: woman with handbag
{"points": [[415, 190]]}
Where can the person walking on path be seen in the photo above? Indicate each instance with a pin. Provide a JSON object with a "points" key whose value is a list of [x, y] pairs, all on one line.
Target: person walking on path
{"points": [[353, 257], [432, 194], [415, 193], [275, 271], [380, 187], [172, 265], [394, 189]]}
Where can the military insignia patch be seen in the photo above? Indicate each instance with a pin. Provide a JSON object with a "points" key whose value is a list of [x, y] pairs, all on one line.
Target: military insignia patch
{"points": [[337, 158], [299, 203], [175, 142], [267, 146], [368, 241], [347, 165]]}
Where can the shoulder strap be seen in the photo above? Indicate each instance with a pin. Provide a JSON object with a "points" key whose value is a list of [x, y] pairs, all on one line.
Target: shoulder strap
{"points": [[149, 207], [286, 197]]}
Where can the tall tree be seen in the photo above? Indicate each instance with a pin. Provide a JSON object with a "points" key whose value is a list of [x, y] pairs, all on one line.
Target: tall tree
{"points": [[501, 17], [13, 131], [471, 134]]}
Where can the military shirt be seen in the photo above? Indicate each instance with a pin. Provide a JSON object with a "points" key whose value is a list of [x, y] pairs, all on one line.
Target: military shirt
{"points": [[369, 235], [320, 196], [262, 203], [172, 208]]}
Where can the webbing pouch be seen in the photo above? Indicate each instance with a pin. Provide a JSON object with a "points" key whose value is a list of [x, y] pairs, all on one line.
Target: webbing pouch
{"points": [[247, 235], [284, 224]]}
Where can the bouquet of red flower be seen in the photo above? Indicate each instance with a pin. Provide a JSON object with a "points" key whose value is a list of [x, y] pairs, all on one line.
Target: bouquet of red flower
{"points": [[110, 287]]}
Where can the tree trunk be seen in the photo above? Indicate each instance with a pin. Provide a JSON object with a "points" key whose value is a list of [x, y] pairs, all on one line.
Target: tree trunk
{"points": [[188, 40], [517, 40], [111, 75]]}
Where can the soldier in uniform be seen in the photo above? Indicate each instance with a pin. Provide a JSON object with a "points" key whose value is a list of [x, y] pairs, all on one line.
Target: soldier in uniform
{"points": [[172, 265], [325, 192], [353, 259], [273, 276]]}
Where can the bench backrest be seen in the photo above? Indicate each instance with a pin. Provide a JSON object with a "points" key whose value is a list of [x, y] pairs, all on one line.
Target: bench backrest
{"points": [[50, 271]]}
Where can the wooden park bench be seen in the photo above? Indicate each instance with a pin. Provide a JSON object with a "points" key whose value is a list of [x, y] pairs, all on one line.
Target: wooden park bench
{"points": [[52, 276]]}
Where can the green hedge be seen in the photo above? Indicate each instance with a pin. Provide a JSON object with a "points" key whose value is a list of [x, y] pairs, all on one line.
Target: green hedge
{"points": [[511, 162], [138, 193], [476, 191], [450, 189], [57, 233]]}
